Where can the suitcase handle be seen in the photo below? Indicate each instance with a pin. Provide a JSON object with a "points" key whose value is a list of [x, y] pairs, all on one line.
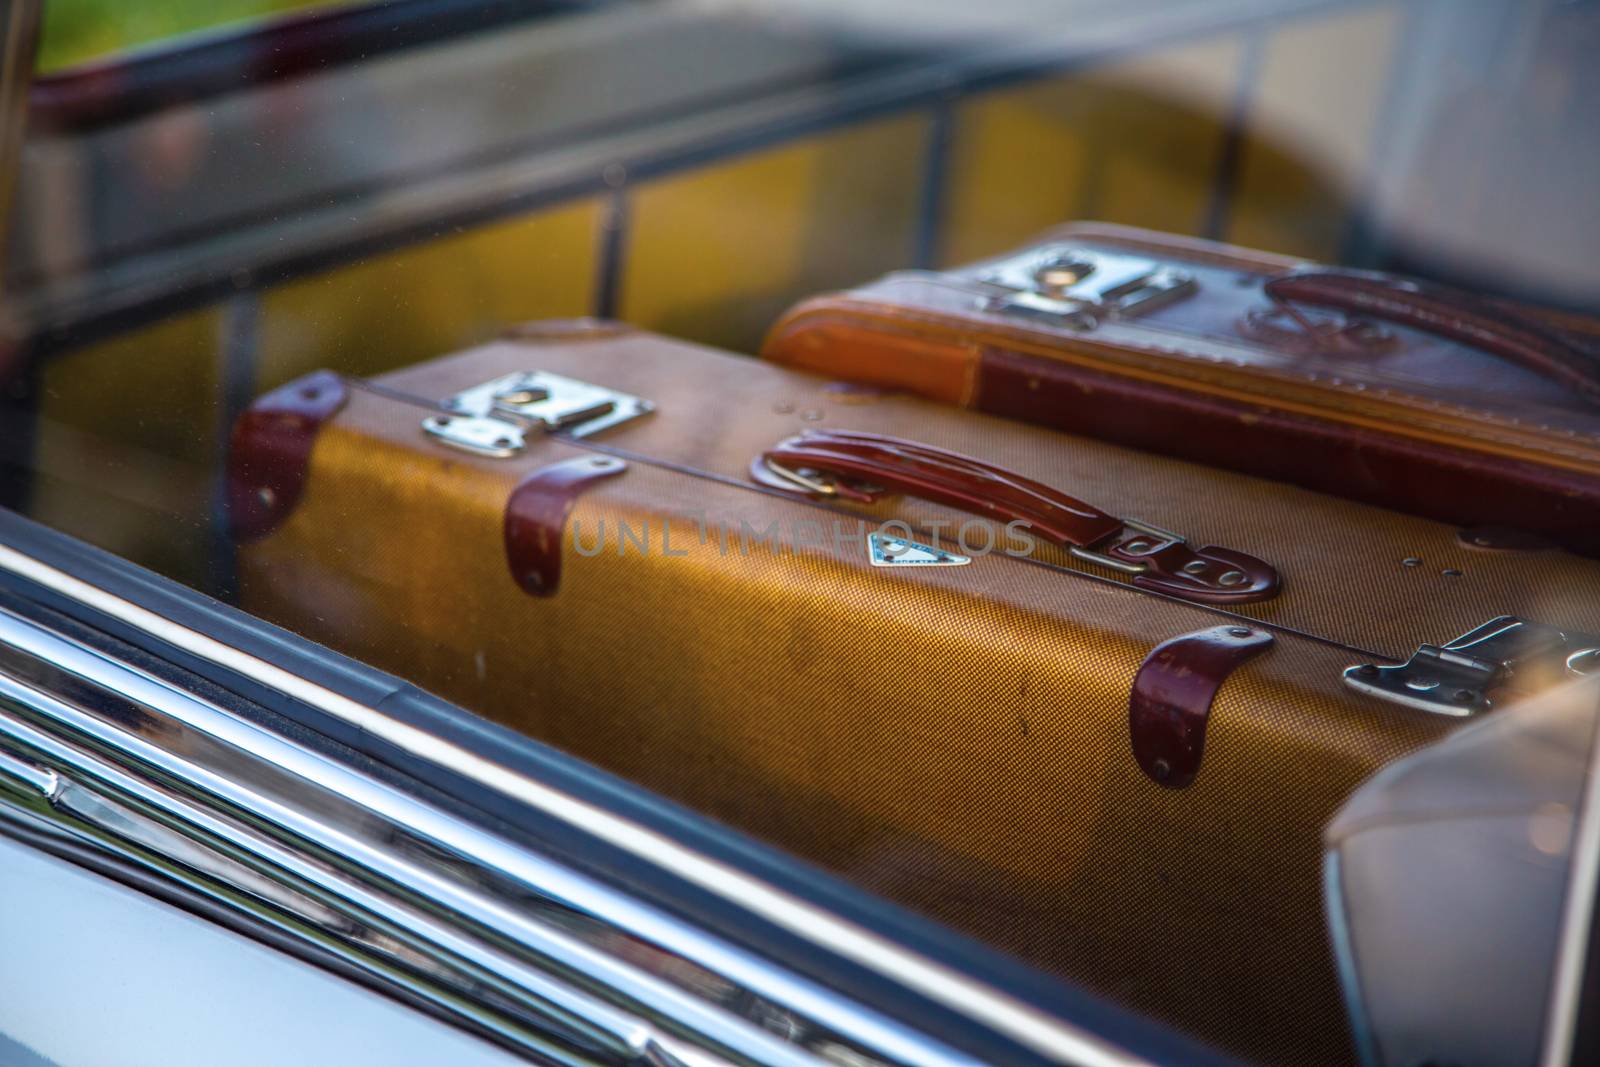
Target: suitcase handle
{"points": [[1447, 313], [864, 467]]}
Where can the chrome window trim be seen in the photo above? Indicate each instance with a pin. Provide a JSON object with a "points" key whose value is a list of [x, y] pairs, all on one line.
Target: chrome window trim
{"points": [[820, 1009], [258, 815], [1578, 917]]}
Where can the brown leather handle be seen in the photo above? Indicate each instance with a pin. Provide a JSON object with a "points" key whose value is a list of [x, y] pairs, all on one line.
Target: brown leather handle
{"points": [[865, 467], [1447, 313]]}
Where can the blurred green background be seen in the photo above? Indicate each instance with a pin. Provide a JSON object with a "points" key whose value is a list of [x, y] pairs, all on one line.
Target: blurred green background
{"points": [[77, 31]]}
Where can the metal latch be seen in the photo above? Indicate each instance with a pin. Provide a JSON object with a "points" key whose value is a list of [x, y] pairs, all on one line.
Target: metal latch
{"points": [[1080, 287], [493, 419], [1462, 677]]}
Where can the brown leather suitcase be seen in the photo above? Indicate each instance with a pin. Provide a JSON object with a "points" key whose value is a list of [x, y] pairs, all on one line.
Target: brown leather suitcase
{"points": [[1391, 392], [1118, 770]]}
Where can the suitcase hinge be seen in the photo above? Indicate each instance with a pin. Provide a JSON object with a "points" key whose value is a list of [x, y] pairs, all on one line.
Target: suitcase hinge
{"points": [[1079, 287], [1462, 677], [495, 418]]}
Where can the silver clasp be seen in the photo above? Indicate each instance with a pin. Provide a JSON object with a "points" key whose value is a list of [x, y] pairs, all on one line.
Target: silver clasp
{"points": [[493, 419], [1458, 677], [1080, 286]]}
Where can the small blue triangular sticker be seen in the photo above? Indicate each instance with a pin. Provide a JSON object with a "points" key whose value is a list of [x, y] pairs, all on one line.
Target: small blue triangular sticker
{"points": [[886, 550]]}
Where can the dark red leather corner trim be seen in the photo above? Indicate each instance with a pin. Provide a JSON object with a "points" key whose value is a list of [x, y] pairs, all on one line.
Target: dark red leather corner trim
{"points": [[1170, 705], [269, 453], [536, 518]]}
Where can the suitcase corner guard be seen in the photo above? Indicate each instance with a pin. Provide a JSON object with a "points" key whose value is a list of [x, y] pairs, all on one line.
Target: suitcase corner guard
{"points": [[269, 452], [1170, 704], [536, 518], [865, 467]]}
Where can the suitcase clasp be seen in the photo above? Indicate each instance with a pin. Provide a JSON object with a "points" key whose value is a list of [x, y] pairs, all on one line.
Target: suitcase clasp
{"points": [[1461, 677], [1080, 286], [493, 419]]}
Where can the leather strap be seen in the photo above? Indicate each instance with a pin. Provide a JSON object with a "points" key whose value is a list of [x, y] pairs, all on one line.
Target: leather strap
{"points": [[1446, 313], [536, 518], [269, 451], [865, 467], [1169, 706]]}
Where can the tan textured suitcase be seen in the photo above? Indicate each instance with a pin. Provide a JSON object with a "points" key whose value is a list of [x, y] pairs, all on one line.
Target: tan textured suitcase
{"points": [[999, 743], [1375, 388]]}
